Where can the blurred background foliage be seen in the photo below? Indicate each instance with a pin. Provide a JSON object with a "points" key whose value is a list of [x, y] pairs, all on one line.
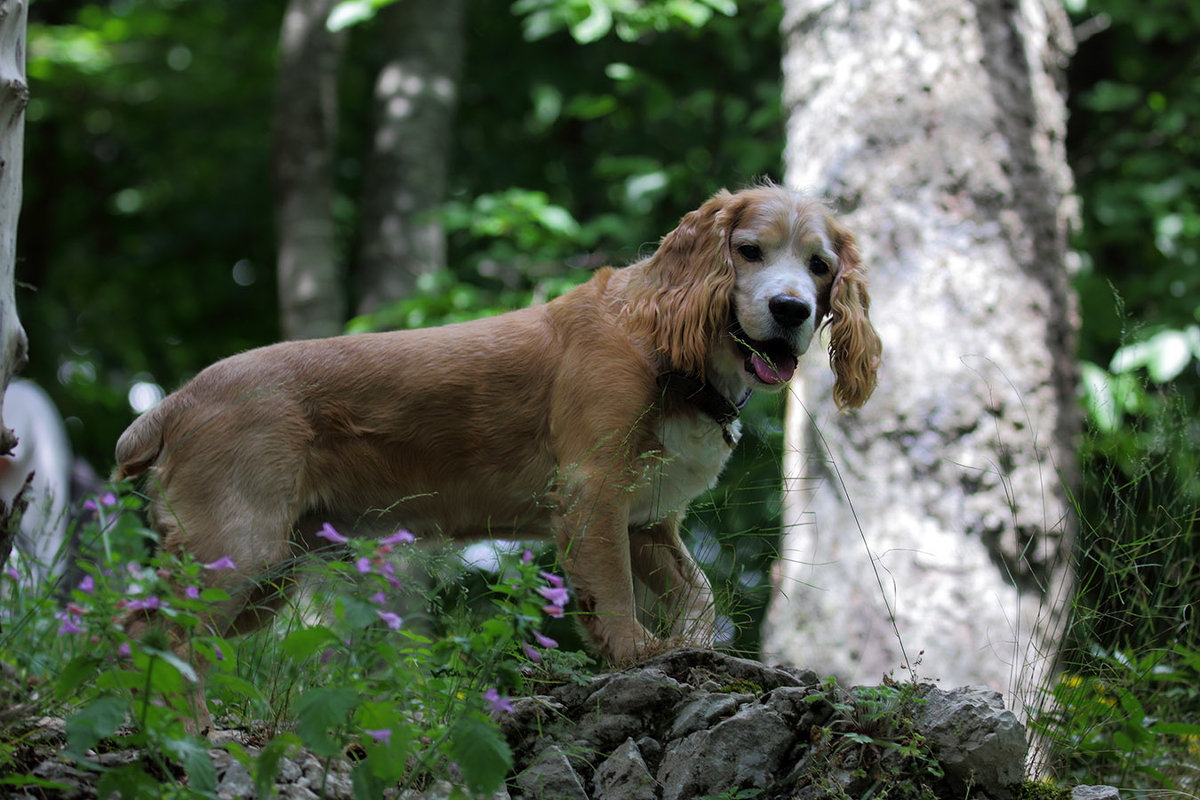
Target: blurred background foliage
{"points": [[585, 129]]}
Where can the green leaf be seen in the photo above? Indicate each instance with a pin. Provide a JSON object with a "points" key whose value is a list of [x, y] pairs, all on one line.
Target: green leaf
{"points": [[307, 642], [75, 673], [320, 710], [186, 670], [193, 754], [95, 721], [481, 752], [130, 782], [1175, 729]]}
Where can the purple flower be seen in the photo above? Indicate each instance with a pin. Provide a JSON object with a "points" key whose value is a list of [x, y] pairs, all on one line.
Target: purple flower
{"points": [[553, 579], [383, 736], [393, 621], [144, 603], [124, 650], [379, 598], [363, 565], [12, 573], [222, 563], [109, 500], [193, 592], [497, 702], [545, 641], [87, 585], [399, 537], [556, 595], [327, 532], [531, 654], [327, 655], [553, 611], [527, 557], [219, 653], [70, 622]]}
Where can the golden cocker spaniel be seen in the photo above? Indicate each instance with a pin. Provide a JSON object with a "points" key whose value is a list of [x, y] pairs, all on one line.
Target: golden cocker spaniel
{"points": [[593, 419]]}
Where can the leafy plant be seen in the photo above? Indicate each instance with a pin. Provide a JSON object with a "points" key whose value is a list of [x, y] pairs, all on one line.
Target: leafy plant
{"points": [[407, 706]]}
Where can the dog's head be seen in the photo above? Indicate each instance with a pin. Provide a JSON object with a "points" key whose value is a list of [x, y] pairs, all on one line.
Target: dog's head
{"points": [[746, 281]]}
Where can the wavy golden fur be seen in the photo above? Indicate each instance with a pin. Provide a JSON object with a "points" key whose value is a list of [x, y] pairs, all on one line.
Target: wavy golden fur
{"points": [[559, 421]]}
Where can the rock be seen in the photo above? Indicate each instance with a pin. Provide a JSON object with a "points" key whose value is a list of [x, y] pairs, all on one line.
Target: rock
{"points": [[234, 780], [702, 712], [978, 742], [741, 752], [641, 693], [443, 790], [1095, 793], [551, 777], [690, 664], [624, 776]]}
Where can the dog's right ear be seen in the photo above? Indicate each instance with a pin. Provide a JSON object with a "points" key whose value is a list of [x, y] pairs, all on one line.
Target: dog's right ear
{"points": [[684, 307]]}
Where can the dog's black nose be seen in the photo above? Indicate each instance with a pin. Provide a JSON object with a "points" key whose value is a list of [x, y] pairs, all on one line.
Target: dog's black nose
{"points": [[788, 311]]}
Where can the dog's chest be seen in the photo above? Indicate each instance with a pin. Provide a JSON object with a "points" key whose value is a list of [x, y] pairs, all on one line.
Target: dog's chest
{"points": [[694, 451]]}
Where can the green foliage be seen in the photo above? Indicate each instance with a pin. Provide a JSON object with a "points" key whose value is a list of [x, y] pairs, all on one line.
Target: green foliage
{"points": [[1129, 719], [410, 707], [590, 20], [872, 734]]}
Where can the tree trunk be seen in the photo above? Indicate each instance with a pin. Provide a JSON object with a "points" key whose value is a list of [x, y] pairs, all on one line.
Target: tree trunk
{"points": [[936, 519], [14, 96], [405, 179], [311, 290]]}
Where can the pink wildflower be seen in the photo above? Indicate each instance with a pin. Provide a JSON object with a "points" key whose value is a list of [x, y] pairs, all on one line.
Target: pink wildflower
{"points": [[399, 537], [392, 620], [144, 603], [383, 736], [497, 702], [222, 563], [70, 622], [328, 532], [545, 641]]}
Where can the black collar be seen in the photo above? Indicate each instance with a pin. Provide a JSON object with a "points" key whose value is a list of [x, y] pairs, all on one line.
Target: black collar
{"points": [[704, 396]]}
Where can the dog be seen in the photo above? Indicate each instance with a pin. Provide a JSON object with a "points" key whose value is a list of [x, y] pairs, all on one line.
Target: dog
{"points": [[593, 420]]}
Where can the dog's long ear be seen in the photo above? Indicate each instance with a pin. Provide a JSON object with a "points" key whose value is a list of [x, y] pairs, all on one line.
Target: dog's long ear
{"points": [[682, 303], [854, 346]]}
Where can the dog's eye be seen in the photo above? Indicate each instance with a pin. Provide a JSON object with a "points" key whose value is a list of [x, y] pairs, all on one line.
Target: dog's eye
{"points": [[750, 252], [818, 266]]}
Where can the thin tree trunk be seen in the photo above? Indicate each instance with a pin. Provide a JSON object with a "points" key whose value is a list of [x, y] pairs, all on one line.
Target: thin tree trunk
{"points": [[405, 179], [14, 96], [312, 297], [936, 520]]}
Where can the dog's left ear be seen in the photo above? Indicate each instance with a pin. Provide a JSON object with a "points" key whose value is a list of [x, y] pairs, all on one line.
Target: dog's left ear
{"points": [[854, 346], [685, 305]]}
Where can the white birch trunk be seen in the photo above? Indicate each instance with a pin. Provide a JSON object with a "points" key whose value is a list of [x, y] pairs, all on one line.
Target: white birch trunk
{"points": [[14, 96], [416, 91], [312, 295], [937, 517]]}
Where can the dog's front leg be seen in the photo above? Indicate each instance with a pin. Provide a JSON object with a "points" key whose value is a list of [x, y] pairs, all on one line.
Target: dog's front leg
{"points": [[593, 542], [661, 561]]}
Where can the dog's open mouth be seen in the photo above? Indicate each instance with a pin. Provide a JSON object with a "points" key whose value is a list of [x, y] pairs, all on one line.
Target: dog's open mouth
{"points": [[772, 362]]}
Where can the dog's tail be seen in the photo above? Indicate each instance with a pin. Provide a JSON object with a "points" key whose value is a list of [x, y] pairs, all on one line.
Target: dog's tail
{"points": [[140, 444]]}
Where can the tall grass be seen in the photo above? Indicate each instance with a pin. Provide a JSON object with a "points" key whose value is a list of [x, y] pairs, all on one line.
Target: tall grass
{"points": [[1125, 708]]}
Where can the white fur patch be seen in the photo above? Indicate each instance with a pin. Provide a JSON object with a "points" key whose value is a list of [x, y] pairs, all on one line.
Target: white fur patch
{"points": [[694, 452]]}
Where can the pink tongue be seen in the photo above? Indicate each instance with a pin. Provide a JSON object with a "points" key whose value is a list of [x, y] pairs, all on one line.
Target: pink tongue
{"points": [[771, 374]]}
